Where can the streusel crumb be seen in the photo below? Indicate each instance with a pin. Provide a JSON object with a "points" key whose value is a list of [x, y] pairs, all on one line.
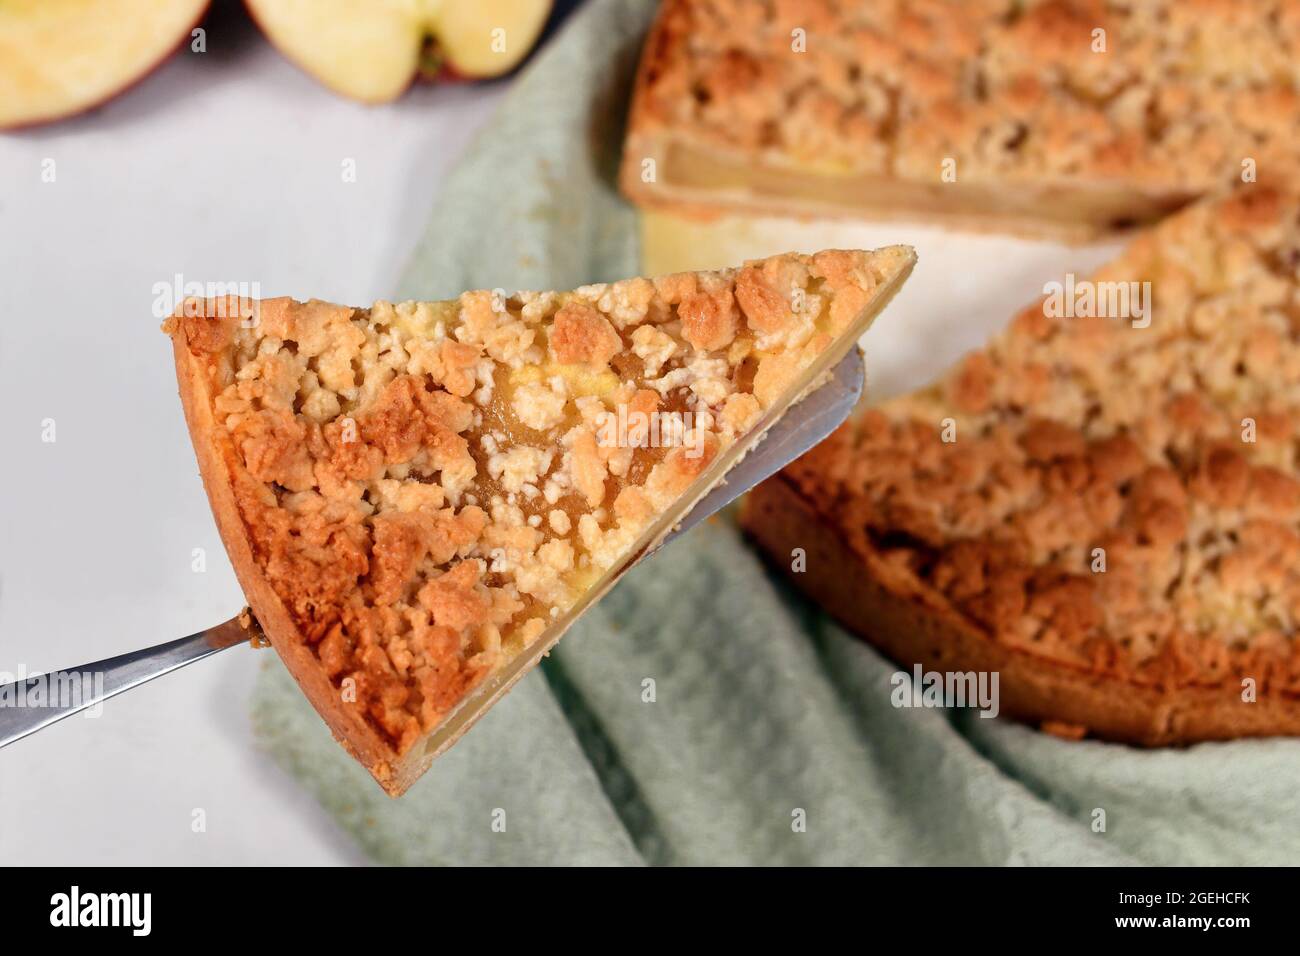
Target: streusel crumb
{"points": [[1112, 495], [427, 486], [1173, 94]]}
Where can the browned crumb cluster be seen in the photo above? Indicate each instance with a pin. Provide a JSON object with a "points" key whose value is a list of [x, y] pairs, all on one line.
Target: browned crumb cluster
{"points": [[1168, 93], [1169, 452], [427, 486]]}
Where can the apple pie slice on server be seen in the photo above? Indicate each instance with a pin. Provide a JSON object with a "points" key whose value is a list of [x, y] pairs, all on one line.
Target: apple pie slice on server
{"points": [[420, 498]]}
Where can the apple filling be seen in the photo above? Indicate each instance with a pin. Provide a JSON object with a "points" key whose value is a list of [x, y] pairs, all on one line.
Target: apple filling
{"points": [[696, 176]]}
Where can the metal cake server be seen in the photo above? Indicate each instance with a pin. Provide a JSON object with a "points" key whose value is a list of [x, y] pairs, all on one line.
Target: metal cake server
{"points": [[802, 426]]}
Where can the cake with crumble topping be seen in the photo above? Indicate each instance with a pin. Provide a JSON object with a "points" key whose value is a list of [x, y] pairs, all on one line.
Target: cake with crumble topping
{"points": [[1104, 509], [419, 498], [1067, 118]]}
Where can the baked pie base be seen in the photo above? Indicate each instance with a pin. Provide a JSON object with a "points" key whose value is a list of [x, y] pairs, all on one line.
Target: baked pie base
{"points": [[870, 599]]}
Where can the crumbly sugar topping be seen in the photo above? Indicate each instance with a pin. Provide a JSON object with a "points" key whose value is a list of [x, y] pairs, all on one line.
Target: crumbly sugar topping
{"points": [[427, 486], [1114, 495], [1175, 94]]}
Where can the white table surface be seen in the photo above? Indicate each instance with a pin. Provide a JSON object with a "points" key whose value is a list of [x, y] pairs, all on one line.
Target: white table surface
{"points": [[225, 166]]}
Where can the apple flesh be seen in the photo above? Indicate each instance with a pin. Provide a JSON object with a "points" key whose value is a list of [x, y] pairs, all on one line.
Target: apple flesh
{"points": [[61, 57], [371, 50]]}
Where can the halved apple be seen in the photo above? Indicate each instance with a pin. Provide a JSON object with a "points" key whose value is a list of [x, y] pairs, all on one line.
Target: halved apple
{"points": [[371, 50], [60, 57]]}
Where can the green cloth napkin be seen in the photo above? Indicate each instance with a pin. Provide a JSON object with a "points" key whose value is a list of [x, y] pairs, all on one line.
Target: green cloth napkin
{"points": [[770, 738]]}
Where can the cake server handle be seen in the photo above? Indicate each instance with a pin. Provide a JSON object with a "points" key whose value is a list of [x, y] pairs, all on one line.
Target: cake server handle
{"points": [[40, 700]]}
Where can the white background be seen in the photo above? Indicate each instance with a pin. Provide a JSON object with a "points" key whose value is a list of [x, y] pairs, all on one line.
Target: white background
{"points": [[227, 166]]}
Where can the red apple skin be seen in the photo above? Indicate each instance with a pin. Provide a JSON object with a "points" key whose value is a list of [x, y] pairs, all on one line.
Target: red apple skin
{"points": [[127, 85], [447, 75]]}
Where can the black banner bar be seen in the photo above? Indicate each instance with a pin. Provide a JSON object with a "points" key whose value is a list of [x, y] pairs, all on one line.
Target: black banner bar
{"points": [[134, 905]]}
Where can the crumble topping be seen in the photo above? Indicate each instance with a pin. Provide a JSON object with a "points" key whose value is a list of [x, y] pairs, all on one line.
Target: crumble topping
{"points": [[427, 485], [1169, 451], [1173, 94]]}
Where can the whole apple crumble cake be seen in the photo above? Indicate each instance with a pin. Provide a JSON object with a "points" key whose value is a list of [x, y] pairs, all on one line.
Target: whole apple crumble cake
{"points": [[1068, 117], [1105, 509], [415, 495]]}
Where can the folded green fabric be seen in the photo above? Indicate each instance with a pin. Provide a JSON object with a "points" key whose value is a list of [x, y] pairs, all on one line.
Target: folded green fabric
{"points": [[703, 713]]}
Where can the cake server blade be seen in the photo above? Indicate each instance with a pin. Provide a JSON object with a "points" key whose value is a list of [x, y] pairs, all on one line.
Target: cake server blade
{"points": [[799, 429]]}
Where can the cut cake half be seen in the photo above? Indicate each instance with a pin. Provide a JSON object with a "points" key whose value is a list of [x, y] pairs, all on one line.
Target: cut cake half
{"points": [[1102, 506]]}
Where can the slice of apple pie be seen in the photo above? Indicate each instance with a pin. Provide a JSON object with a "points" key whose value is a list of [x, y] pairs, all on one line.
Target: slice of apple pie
{"points": [[420, 498], [1068, 118]]}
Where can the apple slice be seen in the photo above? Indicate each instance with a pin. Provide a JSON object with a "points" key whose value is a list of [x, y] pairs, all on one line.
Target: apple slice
{"points": [[371, 50], [485, 38], [60, 57]]}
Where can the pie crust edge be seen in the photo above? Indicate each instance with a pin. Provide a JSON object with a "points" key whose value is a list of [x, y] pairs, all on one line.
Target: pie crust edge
{"points": [[1067, 702], [215, 456]]}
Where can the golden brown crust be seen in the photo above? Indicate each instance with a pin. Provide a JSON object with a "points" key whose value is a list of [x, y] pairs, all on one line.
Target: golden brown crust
{"points": [[1060, 117], [414, 495], [912, 629], [1113, 496], [213, 451]]}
